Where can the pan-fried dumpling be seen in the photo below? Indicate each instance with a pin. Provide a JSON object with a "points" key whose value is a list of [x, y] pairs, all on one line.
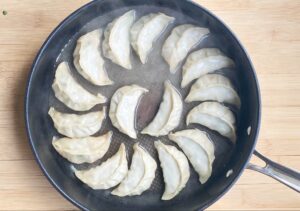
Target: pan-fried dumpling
{"points": [[116, 44], [123, 106], [201, 62], [73, 95], [175, 167], [214, 87], [140, 175], [77, 126], [216, 117], [182, 39], [108, 174], [146, 30], [198, 148], [88, 60], [83, 150], [168, 115]]}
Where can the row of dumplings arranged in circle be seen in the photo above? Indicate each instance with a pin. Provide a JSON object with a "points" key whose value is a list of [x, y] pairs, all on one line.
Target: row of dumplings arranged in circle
{"points": [[195, 144], [80, 147], [123, 32]]}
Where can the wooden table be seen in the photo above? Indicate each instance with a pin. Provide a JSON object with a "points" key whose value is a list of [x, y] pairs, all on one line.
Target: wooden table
{"points": [[269, 29]]}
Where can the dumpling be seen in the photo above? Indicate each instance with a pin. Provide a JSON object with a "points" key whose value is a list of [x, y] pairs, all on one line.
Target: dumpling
{"points": [[88, 60], [198, 148], [168, 115], [216, 117], [175, 167], [201, 62], [83, 150], [116, 44], [123, 106], [73, 95], [140, 175], [214, 87], [182, 39], [146, 30], [109, 174], [77, 126]]}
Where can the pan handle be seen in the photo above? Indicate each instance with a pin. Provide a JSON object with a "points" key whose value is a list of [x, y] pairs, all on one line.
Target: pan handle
{"points": [[289, 177]]}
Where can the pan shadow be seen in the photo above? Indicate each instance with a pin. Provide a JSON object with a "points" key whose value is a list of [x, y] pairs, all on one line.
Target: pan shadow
{"points": [[18, 115]]}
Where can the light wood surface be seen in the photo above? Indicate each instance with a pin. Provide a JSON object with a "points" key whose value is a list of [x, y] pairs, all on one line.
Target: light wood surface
{"points": [[269, 29]]}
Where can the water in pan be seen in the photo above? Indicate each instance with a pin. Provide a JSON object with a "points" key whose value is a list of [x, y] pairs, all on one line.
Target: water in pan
{"points": [[151, 76]]}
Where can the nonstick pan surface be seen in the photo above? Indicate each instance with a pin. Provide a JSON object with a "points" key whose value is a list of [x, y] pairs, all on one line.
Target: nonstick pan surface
{"points": [[59, 47]]}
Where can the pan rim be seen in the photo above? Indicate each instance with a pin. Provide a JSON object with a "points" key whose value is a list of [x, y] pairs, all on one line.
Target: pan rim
{"points": [[65, 22]]}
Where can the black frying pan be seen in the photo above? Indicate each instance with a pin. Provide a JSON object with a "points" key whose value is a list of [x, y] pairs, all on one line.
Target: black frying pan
{"points": [[194, 196]]}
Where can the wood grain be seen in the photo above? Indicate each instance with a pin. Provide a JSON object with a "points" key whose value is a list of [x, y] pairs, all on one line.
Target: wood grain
{"points": [[269, 29]]}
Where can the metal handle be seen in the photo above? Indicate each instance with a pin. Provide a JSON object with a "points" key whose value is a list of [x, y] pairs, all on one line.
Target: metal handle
{"points": [[287, 176]]}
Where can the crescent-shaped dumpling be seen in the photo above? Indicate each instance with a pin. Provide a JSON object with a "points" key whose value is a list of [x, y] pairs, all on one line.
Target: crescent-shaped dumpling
{"points": [[116, 44], [201, 62], [140, 175], [146, 30], [216, 117], [214, 87], [88, 60], [71, 93], [123, 106], [83, 150], [175, 167], [77, 126], [198, 148], [168, 115], [181, 41], [108, 174]]}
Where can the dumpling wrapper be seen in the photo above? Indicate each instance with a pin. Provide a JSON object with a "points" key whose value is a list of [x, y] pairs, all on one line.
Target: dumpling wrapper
{"points": [[123, 107], [214, 116], [214, 87], [201, 62], [116, 43], [140, 175], [109, 174], [175, 167], [83, 150], [198, 148], [88, 59], [71, 93], [181, 41], [146, 31], [77, 126], [168, 115]]}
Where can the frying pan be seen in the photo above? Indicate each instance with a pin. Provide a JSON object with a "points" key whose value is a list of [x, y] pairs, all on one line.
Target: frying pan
{"points": [[194, 196]]}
